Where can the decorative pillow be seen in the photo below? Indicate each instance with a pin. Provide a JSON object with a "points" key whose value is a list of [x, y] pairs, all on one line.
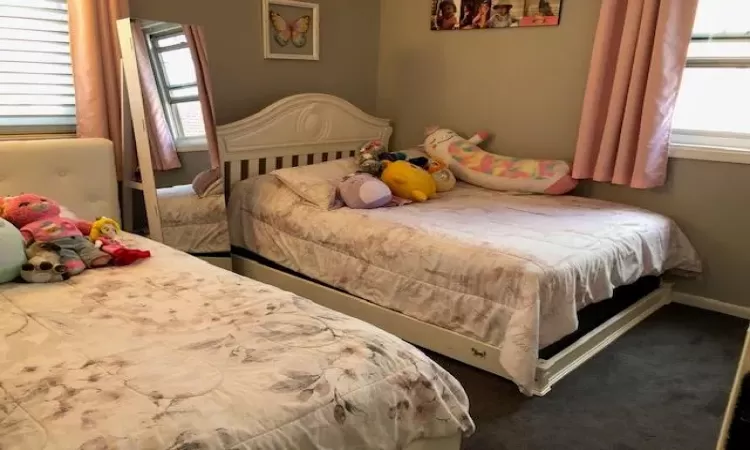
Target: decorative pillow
{"points": [[208, 182], [12, 254], [317, 183]]}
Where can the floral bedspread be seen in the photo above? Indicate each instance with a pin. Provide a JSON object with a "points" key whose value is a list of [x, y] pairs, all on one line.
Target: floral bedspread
{"points": [[509, 270], [173, 353]]}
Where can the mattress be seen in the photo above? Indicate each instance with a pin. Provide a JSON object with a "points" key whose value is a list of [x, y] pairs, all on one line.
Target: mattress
{"points": [[193, 224], [509, 270], [175, 353]]}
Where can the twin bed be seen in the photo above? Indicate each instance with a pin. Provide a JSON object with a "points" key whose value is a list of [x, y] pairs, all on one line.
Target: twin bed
{"points": [[489, 278], [176, 353]]}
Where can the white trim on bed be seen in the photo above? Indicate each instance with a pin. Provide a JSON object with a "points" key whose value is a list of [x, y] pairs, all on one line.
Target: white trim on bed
{"points": [[308, 128], [454, 345], [296, 131]]}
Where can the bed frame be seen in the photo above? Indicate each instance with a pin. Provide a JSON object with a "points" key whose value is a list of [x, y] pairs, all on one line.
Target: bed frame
{"points": [[311, 128]]}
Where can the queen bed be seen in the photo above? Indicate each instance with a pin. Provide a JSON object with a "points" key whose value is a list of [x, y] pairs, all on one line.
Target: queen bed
{"points": [[176, 353], [485, 277]]}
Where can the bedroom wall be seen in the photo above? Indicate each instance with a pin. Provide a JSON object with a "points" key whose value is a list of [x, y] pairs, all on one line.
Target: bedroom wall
{"points": [[243, 82], [526, 86]]}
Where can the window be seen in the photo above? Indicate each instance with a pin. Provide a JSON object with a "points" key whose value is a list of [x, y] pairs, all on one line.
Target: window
{"points": [[713, 107], [175, 75], [36, 78]]}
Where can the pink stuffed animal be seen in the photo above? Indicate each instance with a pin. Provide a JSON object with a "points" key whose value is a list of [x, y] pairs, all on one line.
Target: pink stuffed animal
{"points": [[39, 220]]}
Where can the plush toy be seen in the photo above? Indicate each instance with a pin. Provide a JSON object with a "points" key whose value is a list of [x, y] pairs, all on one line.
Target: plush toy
{"points": [[364, 191], [44, 264], [369, 158], [105, 234], [39, 220], [12, 255], [408, 181], [476, 166], [444, 178]]}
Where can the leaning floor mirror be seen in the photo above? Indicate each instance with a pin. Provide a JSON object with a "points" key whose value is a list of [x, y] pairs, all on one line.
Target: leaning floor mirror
{"points": [[170, 152]]}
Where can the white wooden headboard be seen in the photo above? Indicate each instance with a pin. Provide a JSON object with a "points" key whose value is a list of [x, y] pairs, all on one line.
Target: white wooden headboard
{"points": [[296, 131], [78, 173]]}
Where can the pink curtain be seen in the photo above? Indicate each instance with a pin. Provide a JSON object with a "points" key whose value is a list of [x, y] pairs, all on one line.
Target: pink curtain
{"points": [[95, 52], [640, 51], [197, 42], [163, 150]]}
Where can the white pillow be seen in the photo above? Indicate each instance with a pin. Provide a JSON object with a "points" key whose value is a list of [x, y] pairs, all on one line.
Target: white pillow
{"points": [[208, 182], [317, 183]]}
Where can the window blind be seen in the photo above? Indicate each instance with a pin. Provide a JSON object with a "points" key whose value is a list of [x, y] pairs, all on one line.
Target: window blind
{"points": [[36, 77]]}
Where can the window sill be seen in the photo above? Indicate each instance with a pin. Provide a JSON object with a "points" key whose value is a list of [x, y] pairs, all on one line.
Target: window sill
{"points": [[710, 153], [35, 137], [194, 144]]}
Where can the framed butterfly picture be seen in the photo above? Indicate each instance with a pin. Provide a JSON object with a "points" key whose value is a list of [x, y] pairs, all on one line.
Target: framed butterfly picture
{"points": [[291, 30]]}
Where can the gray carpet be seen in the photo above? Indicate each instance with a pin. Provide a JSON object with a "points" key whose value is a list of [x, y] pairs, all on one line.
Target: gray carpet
{"points": [[663, 385]]}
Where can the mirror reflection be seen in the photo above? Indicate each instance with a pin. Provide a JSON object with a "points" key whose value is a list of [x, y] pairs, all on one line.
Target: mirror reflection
{"points": [[171, 163]]}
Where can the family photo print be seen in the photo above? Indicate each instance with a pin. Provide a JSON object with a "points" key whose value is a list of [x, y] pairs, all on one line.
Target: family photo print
{"points": [[482, 14]]}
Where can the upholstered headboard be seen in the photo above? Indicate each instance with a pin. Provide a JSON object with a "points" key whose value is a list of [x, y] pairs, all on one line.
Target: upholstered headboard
{"points": [[296, 131], [78, 173]]}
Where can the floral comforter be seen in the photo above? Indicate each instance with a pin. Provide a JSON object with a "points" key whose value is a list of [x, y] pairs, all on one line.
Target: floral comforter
{"points": [[176, 354], [509, 270]]}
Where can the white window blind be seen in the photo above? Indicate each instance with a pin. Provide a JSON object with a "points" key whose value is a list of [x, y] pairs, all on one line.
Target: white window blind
{"points": [[36, 78], [713, 107]]}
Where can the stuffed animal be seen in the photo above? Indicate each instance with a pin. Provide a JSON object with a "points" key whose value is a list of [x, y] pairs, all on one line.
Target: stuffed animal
{"points": [[39, 220], [444, 178], [12, 255], [105, 234], [369, 158], [408, 181], [476, 166], [44, 264], [364, 191]]}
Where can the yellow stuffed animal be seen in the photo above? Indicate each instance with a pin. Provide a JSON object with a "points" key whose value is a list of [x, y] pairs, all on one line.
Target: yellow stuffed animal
{"points": [[408, 181]]}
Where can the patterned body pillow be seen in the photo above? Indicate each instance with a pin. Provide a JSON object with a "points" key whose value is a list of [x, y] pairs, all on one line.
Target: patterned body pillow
{"points": [[500, 173]]}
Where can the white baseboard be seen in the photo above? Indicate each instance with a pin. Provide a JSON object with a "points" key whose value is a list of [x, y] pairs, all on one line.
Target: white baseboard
{"points": [[711, 304]]}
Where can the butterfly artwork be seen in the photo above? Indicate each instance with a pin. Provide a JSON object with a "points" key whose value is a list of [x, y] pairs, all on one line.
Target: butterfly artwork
{"points": [[285, 32]]}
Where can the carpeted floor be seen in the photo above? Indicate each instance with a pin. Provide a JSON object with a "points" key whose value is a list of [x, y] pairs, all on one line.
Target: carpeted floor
{"points": [[663, 385]]}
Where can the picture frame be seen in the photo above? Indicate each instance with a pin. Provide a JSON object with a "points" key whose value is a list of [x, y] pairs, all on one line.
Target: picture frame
{"points": [[494, 14], [291, 30]]}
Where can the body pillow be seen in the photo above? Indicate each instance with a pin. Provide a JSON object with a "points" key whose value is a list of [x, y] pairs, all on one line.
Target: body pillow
{"points": [[500, 173]]}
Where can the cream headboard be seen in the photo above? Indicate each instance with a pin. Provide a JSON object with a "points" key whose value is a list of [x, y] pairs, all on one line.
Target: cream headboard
{"points": [[78, 173], [296, 131]]}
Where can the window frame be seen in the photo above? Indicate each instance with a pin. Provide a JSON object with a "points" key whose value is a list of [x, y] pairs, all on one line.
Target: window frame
{"points": [[53, 127], [153, 34], [709, 145]]}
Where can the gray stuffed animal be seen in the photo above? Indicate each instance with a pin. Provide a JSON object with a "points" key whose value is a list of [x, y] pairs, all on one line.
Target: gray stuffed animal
{"points": [[44, 264]]}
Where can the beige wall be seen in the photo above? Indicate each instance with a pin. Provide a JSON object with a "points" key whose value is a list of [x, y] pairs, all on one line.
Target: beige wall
{"points": [[243, 82], [526, 86]]}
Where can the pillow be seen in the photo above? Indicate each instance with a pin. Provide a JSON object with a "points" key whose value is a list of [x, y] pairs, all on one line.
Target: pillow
{"points": [[208, 182], [317, 183], [12, 254]]}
